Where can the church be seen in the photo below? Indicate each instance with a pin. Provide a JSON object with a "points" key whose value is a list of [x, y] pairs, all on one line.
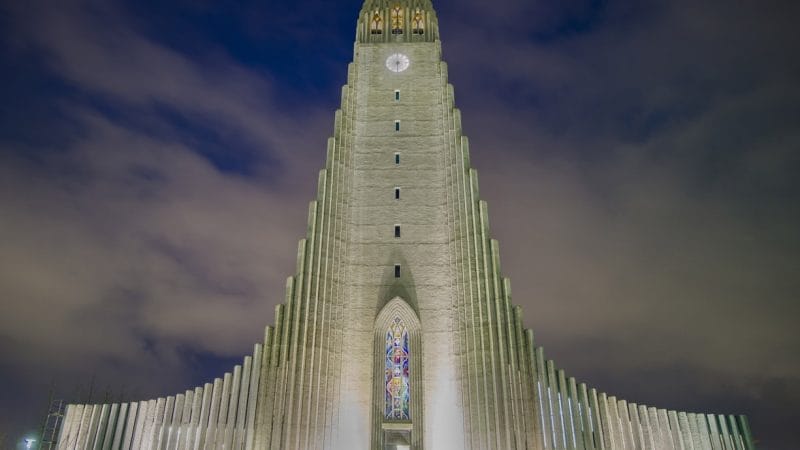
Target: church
{"points": [[397, 330]]}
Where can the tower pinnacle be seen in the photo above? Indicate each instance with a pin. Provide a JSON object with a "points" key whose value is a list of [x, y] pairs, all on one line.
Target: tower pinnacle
{"points": [[397, 21]]}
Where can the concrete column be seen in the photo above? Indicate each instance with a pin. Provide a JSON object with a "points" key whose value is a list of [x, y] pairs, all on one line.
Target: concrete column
{"points": [[111, 425], [586, 417], [133, 417], [597, 422], [224, 404], [541, 389], [138, 431], [537, 420], [165, 427], [190, 442], [605, 420], [557, 418], [636, 427], [747, 436], [176, 423], [205, 409], [233, 407], [655, 430], [615, 424], [702, 428], [154, 413], [253, 396], [153, 409], [685, 430], [178, 440], [575, 409], [213, 414], [238, 434], [666, 432], [736, 435], [727, 442], [566, 414], [713, 432], [69, 433], [627, 427], [675, 431], [526, 382], [644, 423], [105, 429], [96, 440], [119, 431], [697, 443], [86, 426]]}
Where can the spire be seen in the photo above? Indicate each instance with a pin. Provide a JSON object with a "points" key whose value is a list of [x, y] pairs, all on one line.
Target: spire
{"points": [[397, 21]]}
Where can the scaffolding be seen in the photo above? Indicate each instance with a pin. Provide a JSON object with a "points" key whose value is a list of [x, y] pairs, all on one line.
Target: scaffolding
{"points": [[52, 424]]}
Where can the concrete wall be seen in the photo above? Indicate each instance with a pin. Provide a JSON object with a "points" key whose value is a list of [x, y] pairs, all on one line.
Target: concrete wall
{"points": [[478, 379], [218, 415]]}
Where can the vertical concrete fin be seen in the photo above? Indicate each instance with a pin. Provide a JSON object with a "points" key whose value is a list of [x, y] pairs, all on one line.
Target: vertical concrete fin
{"points": [[337, 124], [253, 396], [213, 415], [241, 415], [685, 431], [133, 413], [675, 431], [119, 429], [96, 441], [594, 420], [589, 440], [111, 426], [714, 433], [627, 424], [647, 431], [666, 433], [605, 420], [636, 427], [141, 423], [747, 435]]}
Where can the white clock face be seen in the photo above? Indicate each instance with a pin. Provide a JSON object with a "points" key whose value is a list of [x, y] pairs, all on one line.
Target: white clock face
{"points": [[397, 62]]}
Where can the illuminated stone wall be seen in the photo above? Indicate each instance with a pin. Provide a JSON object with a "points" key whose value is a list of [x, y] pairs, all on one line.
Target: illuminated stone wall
{"points": [[477, 379], [217, 415]]}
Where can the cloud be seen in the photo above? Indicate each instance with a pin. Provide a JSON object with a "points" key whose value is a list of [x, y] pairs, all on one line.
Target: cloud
{"points": [[640, 178], [133, 247], [639, 160]]}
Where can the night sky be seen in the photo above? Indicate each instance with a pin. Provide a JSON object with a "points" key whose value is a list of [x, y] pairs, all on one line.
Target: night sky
{"points": [[641, 161]]}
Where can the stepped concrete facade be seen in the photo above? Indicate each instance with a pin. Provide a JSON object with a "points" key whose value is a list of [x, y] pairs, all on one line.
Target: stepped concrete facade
{"points": [[397, 330]]}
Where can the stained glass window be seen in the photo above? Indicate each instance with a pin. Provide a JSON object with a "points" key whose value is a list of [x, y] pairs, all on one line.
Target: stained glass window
{"points": [[377, 24], [398, 390], [418, 22], [397, 20]]}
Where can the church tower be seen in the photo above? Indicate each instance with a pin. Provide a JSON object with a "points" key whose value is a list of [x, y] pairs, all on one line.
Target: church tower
{"points": [[397, 330]]}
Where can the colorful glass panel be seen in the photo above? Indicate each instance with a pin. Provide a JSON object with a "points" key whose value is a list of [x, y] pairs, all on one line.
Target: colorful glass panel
{"points": [[398, 389], [377, 24], [397, 20], [418, 23]]}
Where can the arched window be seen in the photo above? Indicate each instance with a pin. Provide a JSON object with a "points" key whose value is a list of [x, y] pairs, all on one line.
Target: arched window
{"points": [[418, 22], [398, 389], [397, 377], [397, 20], [377, 24]]}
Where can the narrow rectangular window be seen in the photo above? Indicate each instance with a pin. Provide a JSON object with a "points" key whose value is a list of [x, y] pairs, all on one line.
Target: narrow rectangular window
{"points": [[397, 94], [397, 193], [396, 125], [397, 270], [397, 158], [397, 231]]}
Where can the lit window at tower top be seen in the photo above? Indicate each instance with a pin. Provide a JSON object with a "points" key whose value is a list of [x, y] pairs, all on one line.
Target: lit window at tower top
{"points": [[397, 20], [418, 22], [377, 24]]}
